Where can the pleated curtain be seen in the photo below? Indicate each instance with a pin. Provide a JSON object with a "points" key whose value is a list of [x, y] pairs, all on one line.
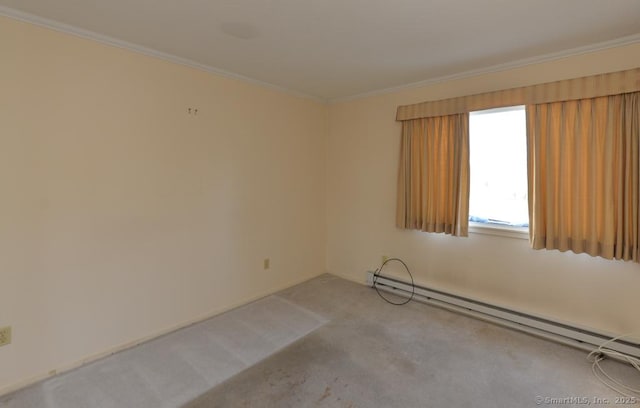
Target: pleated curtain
{"points": [[433, 177], [583, 163], [583, 170]]}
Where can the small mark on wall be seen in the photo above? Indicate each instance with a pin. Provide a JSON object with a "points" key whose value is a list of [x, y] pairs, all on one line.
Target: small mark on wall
{"points": [[192, 111]]}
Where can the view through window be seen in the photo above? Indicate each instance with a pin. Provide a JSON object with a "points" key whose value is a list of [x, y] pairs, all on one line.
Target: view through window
{"points": [[498, 161]]}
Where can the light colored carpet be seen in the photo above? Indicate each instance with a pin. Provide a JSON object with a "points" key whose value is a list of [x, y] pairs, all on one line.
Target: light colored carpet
{"points": [[176, 368], [333, 343], [372, 354]]}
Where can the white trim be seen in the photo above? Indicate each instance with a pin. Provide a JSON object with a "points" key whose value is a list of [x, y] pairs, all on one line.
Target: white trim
{"points": [[13, 387], [618, 42], [499, 230], [115, 42], [79, 32]]}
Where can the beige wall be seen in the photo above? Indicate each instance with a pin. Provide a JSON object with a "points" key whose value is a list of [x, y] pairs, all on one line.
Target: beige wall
{"points": [[363, 152], [122, 216]]}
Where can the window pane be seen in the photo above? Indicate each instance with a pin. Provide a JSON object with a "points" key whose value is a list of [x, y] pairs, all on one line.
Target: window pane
{"points": [[498, 160]]}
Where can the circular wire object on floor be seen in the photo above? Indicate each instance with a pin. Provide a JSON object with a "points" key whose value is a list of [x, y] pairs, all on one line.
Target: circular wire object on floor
{"points": [[376, 274]]}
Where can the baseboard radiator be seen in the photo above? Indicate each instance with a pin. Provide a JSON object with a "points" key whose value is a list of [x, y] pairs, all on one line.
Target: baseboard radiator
{"points": [[562, 332]]}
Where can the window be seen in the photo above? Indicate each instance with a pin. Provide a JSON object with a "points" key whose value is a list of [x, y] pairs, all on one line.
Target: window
{"points": [[498, 167]]}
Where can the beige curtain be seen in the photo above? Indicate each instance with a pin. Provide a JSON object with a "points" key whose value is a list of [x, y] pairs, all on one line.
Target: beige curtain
{"points": [[584, 175], [433, 179]]}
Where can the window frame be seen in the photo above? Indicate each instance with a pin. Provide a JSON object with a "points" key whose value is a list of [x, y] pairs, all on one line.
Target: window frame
{"points": [[498, 230]]}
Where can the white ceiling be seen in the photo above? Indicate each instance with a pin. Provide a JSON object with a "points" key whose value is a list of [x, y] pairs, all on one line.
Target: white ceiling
{"points": [[332, 49]]}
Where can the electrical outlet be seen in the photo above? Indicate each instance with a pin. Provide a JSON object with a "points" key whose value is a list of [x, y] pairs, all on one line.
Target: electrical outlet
{"points": [[266, 263], [5, 336]]}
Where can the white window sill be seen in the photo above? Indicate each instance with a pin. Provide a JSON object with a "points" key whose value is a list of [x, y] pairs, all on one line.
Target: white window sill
{"points": [[499, 230]]}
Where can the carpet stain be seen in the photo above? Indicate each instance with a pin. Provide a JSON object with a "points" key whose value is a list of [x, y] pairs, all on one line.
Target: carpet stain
{"points": [[403, 365], [327, 394]]}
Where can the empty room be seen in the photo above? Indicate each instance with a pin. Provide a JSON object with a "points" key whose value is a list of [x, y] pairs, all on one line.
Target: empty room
{"points": [[319, 203]]}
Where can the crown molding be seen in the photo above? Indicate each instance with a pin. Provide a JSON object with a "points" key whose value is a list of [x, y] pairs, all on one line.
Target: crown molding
{"points": [[619, 42], [115, 42]]}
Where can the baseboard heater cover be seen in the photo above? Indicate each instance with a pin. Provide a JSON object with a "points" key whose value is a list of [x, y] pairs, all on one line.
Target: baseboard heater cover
{"points": [[562, 332]]}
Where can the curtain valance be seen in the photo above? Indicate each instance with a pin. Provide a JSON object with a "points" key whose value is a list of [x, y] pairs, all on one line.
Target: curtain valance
{"points": [[571, 89]]}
